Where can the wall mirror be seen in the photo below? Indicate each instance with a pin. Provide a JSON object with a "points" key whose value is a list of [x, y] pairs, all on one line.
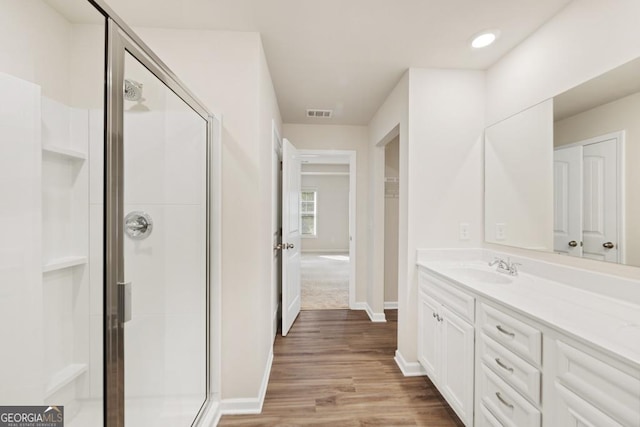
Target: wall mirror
{"points": [[559, 176]]}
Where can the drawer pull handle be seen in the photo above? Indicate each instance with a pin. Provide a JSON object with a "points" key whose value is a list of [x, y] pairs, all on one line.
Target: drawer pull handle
{"points": [[504, 331], [504, 402], [503, 366]]}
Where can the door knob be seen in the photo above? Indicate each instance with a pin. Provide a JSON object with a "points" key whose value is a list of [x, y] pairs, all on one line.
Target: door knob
{"points": [[608, 245], [289, 246], [573, 243]]}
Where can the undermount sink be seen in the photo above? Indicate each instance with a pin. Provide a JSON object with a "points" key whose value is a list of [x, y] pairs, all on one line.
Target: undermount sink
{"points": [[471, 273]]}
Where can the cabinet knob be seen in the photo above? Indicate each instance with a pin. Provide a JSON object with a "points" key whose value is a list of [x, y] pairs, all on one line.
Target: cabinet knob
{"points": [[608, 245], [573, 243]]}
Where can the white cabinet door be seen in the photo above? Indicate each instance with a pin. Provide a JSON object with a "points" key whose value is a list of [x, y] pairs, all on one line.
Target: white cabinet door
{"points": [[429, 335], [600, 222], [567, 201], [456, 368], [576, 412]]}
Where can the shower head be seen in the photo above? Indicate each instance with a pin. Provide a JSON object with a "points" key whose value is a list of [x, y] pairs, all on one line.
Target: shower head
{"points": [[132, 90]]}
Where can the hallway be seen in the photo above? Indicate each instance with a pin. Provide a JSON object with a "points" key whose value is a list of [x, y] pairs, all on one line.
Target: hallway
{"points": [[336, 368]]}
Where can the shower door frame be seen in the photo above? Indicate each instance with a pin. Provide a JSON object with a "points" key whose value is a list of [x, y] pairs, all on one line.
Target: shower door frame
{"points": [[121, 40]]}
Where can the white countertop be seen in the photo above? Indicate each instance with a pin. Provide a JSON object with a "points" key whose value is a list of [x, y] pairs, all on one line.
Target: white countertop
{"points": [[611, 324]]}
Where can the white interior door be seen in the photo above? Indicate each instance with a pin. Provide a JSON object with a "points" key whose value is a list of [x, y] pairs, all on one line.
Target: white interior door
{"points": [[276, 227], [567, 200], [600, 201], [291, 294]]}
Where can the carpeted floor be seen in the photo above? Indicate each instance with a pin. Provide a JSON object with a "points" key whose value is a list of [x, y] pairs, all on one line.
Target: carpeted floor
{"points": [[325, 281]]}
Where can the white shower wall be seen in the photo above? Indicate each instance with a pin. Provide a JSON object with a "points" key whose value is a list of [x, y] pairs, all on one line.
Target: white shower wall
{"points": [[21, 243], [44, 289], [165, 170]]}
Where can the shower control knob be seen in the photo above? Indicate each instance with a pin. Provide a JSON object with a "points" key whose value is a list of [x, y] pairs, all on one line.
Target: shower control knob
{"points": [[138, 225]]}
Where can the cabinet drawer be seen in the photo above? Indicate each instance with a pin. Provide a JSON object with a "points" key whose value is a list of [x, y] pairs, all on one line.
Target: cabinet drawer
{"points": [[486, 418], [505, 403], [516, 372], [514, 334], [457, 301], [609, 390]]}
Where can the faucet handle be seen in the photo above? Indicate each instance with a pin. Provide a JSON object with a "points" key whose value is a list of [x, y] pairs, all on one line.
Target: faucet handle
{"points": [[513, 268]]}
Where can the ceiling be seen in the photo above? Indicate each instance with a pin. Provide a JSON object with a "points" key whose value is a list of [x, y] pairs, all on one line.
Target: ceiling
{"points": [[347, 55]]}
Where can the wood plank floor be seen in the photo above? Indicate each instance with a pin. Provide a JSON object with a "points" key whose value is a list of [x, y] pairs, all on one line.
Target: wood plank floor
{"points": [[336, 368]]}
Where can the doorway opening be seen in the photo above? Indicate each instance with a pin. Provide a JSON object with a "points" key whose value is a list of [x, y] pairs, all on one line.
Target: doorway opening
{"points": [[295, 214], [327, 219], [391, 221]]}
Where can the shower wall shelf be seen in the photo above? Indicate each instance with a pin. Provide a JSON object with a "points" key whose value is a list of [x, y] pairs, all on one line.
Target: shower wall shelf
{"points": [[62, 151], [64, 376], [65, 251], [62, 263]]}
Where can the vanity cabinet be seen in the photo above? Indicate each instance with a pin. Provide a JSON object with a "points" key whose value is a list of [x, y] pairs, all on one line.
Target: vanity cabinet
{"points": [[446, 344], [496, 365], [592, 392], [510, 354]]}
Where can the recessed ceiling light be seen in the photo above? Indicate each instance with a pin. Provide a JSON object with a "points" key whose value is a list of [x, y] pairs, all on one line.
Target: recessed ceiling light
{"points": [[484, 39]]}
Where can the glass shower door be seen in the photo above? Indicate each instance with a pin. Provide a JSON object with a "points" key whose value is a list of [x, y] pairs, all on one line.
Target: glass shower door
{"points": [[165, 253]]}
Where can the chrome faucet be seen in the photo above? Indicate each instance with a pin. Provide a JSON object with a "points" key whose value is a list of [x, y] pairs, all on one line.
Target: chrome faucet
{"points": [[511, 268]]}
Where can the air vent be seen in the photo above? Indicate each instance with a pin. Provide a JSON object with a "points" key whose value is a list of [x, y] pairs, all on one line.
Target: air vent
{"points": [[325, 114]]}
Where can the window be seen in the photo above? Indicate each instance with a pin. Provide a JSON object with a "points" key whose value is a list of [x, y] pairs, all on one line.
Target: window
{"points": [[308, 210]]}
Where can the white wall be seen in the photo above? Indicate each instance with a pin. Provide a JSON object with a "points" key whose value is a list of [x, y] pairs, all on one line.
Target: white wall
{"points": [[332, 213], [440, 115], [35, 42], [615, 116], [446, 124], [391, 120], [331, 137], [586, 39], [228, 72]]}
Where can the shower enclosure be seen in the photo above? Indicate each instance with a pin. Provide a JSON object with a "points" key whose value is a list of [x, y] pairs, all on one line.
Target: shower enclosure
{"points": [[108, 291]]}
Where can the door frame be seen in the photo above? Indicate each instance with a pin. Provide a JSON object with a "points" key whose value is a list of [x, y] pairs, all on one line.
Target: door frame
{"points": [[343, 157], [121, 39], [620, 137]]}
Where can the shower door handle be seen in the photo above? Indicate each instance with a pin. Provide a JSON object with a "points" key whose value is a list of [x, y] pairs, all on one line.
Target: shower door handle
{"points": [[124, 301]]}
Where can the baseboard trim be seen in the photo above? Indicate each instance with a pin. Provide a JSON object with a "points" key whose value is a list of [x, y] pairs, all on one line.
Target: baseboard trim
{"points": [[326, 251], [249, 405], [212, 415], [413, 369], [391, 305], [375, 317]]}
